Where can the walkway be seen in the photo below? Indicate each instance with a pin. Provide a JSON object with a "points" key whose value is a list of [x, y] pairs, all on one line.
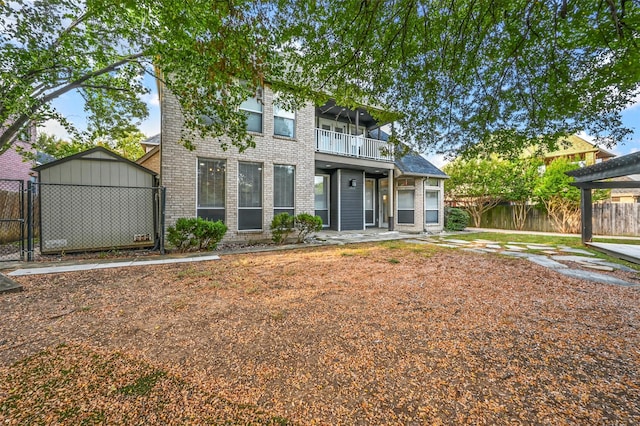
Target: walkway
{"points": [[546, 255], [553, 257]]}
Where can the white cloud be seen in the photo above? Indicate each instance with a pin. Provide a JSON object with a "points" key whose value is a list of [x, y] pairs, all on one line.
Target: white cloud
{"points": [[151, 99], [53, 127], [437, 160], [151, 126]]}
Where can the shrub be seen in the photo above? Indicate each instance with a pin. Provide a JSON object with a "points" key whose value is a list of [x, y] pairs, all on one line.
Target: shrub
{"points": [[307, 224], [282, 226], [196, 234], [455, 219]]}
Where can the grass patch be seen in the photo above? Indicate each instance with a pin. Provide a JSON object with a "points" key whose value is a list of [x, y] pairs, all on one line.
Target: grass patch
{"points": [[84, 386], [500, 237], [355, 252], [143, 385]]}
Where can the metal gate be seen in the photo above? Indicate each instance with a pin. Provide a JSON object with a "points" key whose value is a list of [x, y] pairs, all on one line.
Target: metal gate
{"points": [[12, 220]]}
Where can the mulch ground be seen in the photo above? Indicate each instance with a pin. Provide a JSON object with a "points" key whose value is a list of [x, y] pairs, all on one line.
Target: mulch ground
{"points": [[367, 334]]}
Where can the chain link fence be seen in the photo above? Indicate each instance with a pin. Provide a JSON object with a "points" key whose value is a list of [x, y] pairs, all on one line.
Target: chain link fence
{"points": [[75, 218]]}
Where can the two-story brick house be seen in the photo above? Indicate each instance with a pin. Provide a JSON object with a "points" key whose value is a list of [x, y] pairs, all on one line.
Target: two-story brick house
{"points": [[329, 161]]}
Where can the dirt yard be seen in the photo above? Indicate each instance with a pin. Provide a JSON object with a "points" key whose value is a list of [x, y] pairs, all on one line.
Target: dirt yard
{"points": [[370, 334]]}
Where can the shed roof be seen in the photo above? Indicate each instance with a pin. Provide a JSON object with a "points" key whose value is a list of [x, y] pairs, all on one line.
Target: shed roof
{"points": [[88, 153]]}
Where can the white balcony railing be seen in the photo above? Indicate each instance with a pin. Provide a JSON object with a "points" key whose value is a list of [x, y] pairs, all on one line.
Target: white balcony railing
{"points": [[353, 146]]}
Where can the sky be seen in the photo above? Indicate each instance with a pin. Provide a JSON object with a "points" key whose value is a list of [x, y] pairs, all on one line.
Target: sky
{"points": [[70, 105]]}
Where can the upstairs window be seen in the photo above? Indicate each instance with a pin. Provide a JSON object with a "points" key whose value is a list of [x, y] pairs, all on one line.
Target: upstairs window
{"points": [[252, 107], [284, 122]]}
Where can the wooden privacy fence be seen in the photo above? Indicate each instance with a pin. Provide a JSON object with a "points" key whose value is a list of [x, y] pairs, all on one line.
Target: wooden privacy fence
{"points": [[621, 219], [10, 208]]}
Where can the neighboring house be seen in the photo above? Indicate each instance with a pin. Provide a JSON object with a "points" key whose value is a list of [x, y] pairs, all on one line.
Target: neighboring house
{"points": [[329, 161], [151, 157], [151, 143], [578, 149], [13, 165], [626, 195]]}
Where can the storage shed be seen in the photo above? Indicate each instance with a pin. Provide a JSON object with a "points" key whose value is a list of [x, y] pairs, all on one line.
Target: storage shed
{"points": [[96, 200]]}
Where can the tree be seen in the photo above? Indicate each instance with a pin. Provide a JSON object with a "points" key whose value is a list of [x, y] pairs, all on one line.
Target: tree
{"points": [[560, 199], [212, 55], [56, 147], [477, 185], [126, 145], [502, 75], [519, 187], [469, 74]]}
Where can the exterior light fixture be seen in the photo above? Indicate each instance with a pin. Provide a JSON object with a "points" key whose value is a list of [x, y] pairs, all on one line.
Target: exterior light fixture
{"points": [[353, 183]]}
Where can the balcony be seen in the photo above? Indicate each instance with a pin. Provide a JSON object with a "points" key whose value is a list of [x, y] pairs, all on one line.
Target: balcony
{"points": [[353, 146]]}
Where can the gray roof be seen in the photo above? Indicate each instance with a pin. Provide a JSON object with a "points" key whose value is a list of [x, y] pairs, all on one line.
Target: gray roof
{"points": [[153, 140], [619, 166], [411, 163], [415, 164]]}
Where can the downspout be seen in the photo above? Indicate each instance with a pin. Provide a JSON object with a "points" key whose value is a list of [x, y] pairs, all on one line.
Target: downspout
{"points": [[391, 200]]}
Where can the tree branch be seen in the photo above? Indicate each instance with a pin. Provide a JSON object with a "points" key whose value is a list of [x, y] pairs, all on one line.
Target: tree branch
{"points": [[10, 134]]}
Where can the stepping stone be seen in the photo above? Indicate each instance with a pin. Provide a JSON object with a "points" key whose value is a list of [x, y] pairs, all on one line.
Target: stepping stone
{"points": [[7, 285], [549, 252], [516, 242], [546, 262], [538, 247], [615, 266], [494, 246], [475, 250], [514, 248], [515, 254], [595, 277], [576, 251], [581, 259], [447, 245], [598, 267], [485, 241], [412, 241], [451, 240]]}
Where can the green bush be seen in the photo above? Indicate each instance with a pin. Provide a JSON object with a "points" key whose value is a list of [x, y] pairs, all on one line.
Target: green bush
{"points": [[455, 219], [282, 226], [196, 234], [307, 224]]}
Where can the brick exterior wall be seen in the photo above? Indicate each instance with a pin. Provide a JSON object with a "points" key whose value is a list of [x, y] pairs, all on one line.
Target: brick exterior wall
{"points": [[179, 166], [151, 160], [12, 165], [419, 224]]}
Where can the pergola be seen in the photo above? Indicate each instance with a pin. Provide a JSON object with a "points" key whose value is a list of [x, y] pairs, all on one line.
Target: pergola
{"points": [[595, 177]]}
